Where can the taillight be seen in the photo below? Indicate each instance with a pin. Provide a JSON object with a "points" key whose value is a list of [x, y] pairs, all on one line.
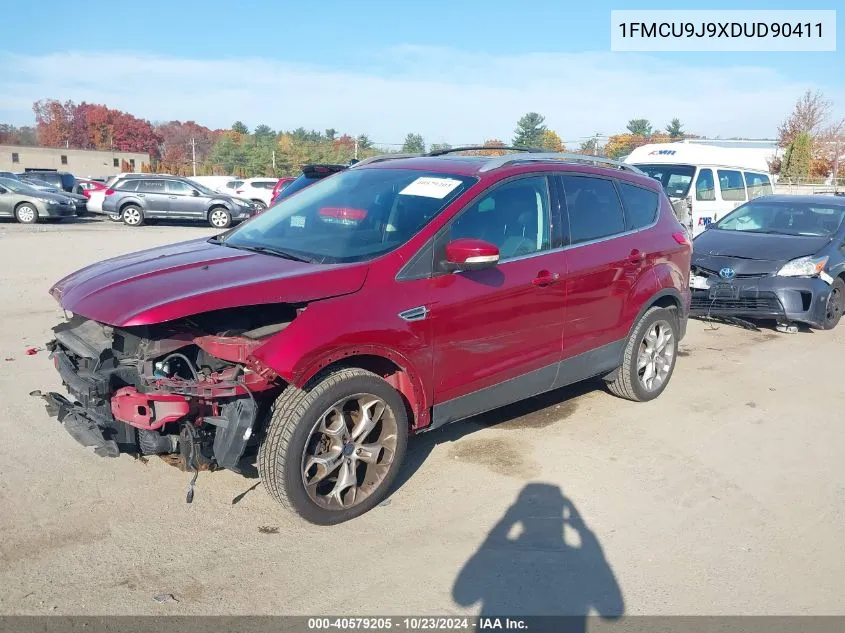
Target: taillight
{"points": [[343, 213], [682, 239], [110, 192], [86, 193]]}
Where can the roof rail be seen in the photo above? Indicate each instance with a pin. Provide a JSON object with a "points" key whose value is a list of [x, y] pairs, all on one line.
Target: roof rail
{"points": [[468, 148], [383, 157], [501, 161]]}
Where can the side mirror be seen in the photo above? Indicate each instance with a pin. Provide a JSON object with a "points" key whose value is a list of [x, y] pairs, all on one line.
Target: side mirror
{"points": [[471, 254], [195, 193], [3, 190]]}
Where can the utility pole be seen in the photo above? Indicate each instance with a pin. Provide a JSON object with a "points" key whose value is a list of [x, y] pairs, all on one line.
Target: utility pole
{"points": [[194, 155], [274, 161], [596, 144], [356, 148]]}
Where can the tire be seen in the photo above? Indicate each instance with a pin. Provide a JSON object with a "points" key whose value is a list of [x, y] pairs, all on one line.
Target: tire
{"points": [[219, 218], [132, 215], [835, 304], [627, 382], [26, 213], [303, 422], [260, 204]]}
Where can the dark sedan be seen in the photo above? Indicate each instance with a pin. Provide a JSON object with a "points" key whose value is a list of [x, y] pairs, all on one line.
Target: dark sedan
{"points": [[775, 257]]}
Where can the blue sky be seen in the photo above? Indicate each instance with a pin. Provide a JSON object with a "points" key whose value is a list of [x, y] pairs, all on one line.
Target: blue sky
{"points": [[457, 71]]}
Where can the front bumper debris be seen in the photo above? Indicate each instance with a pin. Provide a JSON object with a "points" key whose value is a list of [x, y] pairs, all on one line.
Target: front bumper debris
{"points": [[800, 299], [76, 422]]}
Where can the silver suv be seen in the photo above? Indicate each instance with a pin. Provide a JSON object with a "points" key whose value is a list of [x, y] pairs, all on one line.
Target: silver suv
{"points": [[136, 199]]}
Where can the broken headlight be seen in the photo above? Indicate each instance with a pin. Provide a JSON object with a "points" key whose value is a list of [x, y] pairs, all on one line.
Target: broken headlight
{"points": [[803, 267]]}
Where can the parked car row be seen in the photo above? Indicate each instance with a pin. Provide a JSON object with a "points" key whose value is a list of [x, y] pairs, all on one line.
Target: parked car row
{"points": [[29, 200]]}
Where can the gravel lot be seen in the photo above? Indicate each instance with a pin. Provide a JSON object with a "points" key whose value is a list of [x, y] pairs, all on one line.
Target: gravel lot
{"points": [[724, 496]]}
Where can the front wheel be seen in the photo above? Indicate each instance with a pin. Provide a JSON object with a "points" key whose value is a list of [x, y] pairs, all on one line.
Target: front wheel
{"points": [[26, 213], [260, 204], [835, 304], [333, 449], [649, 357]]}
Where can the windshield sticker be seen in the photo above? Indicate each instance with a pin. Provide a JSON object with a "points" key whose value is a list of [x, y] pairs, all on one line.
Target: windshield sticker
{"points": [[431, 187], [297, 221]]}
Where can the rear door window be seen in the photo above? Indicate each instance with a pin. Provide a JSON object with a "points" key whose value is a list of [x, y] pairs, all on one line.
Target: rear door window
{"points": [[593, 208], [640, 205], [151, 186], [732, 185], [758, 185]]}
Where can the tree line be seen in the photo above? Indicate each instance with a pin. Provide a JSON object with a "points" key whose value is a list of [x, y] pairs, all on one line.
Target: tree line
{"points": [[185, 147]]}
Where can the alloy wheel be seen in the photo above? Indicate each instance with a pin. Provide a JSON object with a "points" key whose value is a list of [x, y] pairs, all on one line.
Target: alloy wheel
{"points": [[656, 354], [349, 451]]}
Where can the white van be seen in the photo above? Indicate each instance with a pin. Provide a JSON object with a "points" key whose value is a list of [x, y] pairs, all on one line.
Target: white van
{"points": [[704, 182]]}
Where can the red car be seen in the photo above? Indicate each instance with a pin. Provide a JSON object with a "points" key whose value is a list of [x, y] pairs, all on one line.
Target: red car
{"points": [[283, 182], [85, 187], [392, 298]]}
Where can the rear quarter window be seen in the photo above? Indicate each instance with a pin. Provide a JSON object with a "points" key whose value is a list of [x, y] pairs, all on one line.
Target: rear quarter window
{"points": [[758, 185], [127, 185], [640, 205]]}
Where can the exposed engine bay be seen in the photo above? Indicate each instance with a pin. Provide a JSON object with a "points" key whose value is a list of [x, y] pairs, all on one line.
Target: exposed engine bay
{"points": [[188, 389]]}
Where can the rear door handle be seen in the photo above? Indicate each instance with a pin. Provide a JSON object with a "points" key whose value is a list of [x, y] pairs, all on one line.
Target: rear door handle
{"points": [[140, 195], [545, 278], [172, 197], [636, 256]]}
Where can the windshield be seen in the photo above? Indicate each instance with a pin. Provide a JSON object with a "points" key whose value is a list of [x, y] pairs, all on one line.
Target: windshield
{"points": [[787, 218], [17, 186], [676, 179], [353, 216], [203, 189]]}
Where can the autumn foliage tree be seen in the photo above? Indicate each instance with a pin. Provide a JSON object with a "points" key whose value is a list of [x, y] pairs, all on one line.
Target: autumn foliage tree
{"points": [[92, 126]]}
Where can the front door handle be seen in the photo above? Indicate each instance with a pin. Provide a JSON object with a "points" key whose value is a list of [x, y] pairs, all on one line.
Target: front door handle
{"points": [[172, 197], [545, 278], [636, 256]]}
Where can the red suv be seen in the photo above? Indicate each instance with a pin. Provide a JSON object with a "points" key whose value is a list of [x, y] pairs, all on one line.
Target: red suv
{"points": [[386, 300]]}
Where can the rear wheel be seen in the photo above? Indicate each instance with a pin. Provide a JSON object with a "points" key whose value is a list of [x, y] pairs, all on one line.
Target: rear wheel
{"points": [[132, 215], [649, 358], [333, 449], [219, 218], [26, 213], [835, 304]]}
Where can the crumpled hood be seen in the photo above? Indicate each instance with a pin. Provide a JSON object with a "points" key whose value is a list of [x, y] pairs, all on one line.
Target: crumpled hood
{"points": [[178, 280], [751, 253]]}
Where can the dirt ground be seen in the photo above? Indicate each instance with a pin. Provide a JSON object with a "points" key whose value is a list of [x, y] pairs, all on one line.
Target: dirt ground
{"points": [[723, 496]]}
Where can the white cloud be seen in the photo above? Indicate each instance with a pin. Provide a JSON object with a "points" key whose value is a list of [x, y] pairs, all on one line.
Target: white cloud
{"points": [[444, 94]]}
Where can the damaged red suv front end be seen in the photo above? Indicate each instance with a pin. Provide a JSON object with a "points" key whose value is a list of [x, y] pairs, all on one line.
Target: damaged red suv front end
{"points": [[147, 374]]}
